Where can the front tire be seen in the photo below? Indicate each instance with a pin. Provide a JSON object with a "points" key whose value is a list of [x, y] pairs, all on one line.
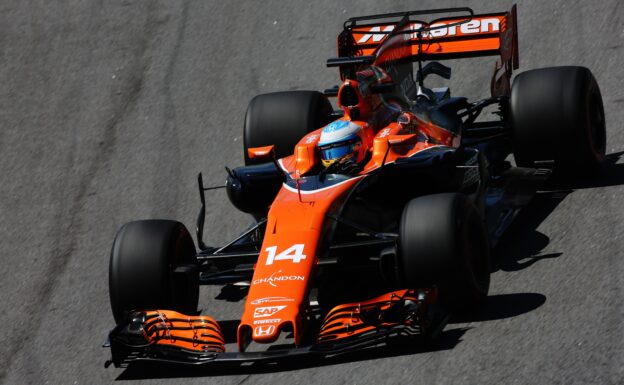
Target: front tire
{"points": [[153, 265], [443, 242]]}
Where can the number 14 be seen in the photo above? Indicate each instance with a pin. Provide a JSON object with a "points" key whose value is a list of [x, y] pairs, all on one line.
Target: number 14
{"points": [[295, 252]]}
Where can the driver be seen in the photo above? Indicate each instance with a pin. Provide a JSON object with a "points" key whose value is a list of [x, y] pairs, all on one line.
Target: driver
{"points": [[344, 143], [343, 147]]}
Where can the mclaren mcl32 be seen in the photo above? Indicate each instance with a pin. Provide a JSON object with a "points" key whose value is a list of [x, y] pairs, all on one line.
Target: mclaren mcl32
{"points": [[374, 222]]}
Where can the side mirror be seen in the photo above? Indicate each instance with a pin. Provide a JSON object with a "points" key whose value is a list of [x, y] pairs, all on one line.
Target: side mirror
{"points": [[267, 153], [262, 153]]}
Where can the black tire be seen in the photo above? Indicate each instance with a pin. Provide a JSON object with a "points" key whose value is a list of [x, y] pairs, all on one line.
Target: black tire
{"points": [[282, 119], [443, 242], [153, 265], [557, 114]]}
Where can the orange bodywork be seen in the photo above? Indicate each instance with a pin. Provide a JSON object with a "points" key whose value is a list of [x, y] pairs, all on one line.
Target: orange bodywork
{"points": [[261, 152], [278, 296], [383, 153], [483, 33], [170, 328], [306, 152], [293, 240], [478, 35], [352, 319]]}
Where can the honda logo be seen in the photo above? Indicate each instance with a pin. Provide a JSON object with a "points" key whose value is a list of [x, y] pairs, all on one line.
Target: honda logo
{"points": [[262, 331]]}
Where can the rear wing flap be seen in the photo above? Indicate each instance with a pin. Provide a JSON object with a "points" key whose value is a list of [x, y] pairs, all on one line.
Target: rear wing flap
{"points": [[399, 37]]}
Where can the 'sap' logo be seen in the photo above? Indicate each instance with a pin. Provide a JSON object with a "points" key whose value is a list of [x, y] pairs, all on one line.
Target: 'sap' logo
{"points": [[261, 331], [267, 311]]}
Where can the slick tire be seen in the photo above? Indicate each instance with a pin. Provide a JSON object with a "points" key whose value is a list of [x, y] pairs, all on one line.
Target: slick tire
{"points": [[443, 242], [153, 265], [282, 119], [558, 115]]}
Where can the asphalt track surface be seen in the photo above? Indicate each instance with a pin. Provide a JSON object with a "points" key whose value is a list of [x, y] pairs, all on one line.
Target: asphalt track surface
{"points": [[110, 108]]}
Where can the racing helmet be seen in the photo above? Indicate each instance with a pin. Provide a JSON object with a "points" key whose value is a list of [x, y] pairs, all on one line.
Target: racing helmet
{"points": [[340, 140]]}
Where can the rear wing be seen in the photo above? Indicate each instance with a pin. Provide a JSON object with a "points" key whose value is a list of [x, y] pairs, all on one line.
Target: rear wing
{"points": [[400, 37]]}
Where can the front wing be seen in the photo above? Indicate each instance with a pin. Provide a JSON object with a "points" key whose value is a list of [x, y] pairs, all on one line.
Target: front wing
{"points": [[167, 336]]}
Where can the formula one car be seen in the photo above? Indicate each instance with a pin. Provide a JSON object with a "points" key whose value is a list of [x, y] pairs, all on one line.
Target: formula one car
{"points": [[373, 223]]}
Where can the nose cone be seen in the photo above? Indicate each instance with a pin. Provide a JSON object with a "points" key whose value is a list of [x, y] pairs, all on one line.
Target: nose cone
{"points": [[278, 295]]}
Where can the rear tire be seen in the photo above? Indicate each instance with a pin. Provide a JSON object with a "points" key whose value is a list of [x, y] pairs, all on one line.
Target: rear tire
{"points": [[443, 242], [557, 114], [153, 265], [282, 119]]}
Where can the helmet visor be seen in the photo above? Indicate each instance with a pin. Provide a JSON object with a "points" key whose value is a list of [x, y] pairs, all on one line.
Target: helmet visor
{"points": [[336, 151]]}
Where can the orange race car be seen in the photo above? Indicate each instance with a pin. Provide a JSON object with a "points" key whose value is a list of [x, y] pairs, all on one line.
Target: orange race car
{"points": [[373, 223]]}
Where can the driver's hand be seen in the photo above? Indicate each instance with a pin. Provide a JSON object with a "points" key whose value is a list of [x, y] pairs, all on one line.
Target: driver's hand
{"points": [[345, 166]]}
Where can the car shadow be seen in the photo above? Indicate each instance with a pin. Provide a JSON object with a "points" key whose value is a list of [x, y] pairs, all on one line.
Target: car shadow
{"points": [[503, 306], [232, 293], [229, 330], [522, 244], [610, 173], [447, 340]]}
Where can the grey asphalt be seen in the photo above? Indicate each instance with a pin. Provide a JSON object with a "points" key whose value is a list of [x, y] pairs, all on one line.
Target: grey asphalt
{"points": [[108, 109]]}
